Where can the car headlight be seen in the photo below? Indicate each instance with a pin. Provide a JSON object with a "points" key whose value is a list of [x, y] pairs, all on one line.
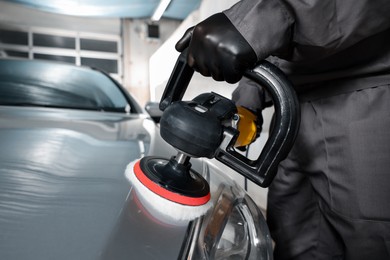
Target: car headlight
{"points": [[235, 229]]}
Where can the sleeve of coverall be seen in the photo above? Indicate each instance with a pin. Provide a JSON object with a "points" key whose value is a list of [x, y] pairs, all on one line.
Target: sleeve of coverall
{"points": [[273, 26]]}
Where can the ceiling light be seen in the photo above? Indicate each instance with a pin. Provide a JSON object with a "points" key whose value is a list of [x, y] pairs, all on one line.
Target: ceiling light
{"points": [[160, 10]]}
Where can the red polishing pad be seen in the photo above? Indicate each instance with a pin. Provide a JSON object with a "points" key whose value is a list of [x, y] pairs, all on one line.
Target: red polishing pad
{"points": [[156, 174]]}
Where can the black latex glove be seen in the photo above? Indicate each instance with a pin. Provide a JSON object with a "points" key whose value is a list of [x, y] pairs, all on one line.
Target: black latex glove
{"points": [[216, 48]]}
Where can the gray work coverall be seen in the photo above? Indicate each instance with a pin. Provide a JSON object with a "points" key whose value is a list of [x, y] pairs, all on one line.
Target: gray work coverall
{"points": [[331, 196]]}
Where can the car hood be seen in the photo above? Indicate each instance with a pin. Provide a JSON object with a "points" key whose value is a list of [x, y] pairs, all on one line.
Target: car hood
{"points": [[63, 193]]}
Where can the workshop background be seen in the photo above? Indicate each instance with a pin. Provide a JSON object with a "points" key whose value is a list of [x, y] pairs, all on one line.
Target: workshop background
{"points": [[129, 39]]}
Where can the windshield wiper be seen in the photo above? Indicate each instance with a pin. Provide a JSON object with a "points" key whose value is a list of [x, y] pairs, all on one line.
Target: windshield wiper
{"points": [[113, 109]]}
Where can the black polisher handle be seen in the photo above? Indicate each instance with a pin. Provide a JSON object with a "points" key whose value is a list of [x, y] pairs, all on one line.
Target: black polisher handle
{"points": [[286, 119], [285, 128], [178, 82]]}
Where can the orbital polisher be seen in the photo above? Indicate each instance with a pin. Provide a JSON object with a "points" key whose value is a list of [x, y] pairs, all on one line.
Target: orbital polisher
{"points": [[211, 126]]}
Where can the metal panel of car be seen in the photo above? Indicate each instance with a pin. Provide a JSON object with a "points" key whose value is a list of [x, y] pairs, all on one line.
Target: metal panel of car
{"points": [[63, 194]]}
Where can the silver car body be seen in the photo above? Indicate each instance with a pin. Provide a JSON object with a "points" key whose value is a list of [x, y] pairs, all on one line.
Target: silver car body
{"points": [[63, 193]]}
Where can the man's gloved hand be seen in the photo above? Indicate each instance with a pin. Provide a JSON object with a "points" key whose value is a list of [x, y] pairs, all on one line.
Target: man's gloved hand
{"points": [[216, 48], [251, 96]]}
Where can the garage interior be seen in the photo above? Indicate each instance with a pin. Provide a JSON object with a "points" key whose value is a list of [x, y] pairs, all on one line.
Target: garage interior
{"points": [[134, 42], [135, 48]]}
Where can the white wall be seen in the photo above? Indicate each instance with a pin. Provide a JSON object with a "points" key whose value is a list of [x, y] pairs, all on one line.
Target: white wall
{"points": [[137, 50]]}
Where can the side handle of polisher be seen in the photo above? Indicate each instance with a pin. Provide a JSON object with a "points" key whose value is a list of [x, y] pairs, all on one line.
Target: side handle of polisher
{"points": [[287, 119], [178, 81]]}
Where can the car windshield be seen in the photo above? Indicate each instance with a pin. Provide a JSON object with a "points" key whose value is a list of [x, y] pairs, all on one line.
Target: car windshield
{"points": [[37, 83]]}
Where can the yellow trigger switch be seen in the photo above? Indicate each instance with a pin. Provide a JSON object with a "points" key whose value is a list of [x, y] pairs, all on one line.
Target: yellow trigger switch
{"points": [[246, 126]]}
